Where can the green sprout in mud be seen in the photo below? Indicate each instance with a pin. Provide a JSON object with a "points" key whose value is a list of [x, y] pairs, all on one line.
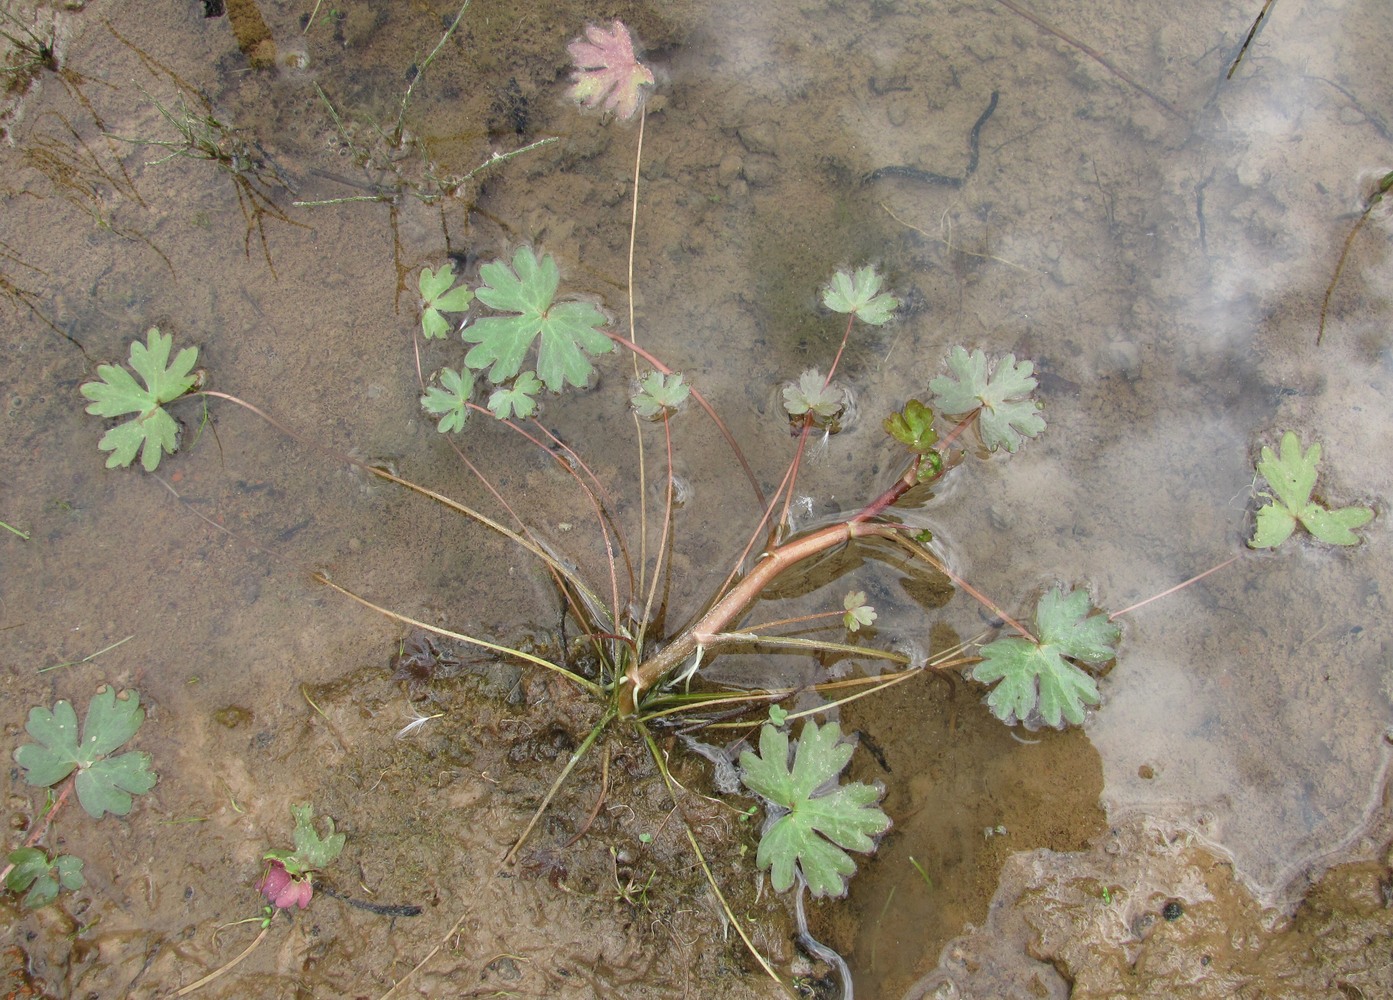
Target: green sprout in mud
{"points": [[152, 432], [438, 296], [1038, 676], [105, 780], [817, 824], [1290, 474]]}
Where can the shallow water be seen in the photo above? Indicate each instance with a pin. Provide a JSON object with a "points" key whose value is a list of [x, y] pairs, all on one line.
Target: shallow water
{"points": [[1158, 239]]}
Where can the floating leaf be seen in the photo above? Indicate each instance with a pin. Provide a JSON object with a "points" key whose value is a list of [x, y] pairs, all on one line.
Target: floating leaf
{"points": [[104, 783], [913, 427], [659, 393], [438, 297], [517, 400], [1291, 475], [812, 394], [450, 404], [312, 852], [41, 876], [859, 614], [1038, 676], [820, 817], [860, 295], [608, 75], [152, 432], [1005, 414], [568, 331]]}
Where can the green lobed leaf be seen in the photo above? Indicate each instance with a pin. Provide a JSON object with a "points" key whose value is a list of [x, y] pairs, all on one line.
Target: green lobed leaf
{"points": [[997, 392], [1039, 677], [659, 394], [437, 298], [819, 827], [451, 403], [33, 870], [1290, 474], [104, 783], [567, 332], [913, 427], [152, 432], [517, 400], [859, 614], [312, 852], [812, 394], [860, 295]]}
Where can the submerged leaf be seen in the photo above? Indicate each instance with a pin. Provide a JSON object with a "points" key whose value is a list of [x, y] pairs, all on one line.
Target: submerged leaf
{"points": [[812, 394], [438, 297], [1039, 676], [659, 394], [451, 403], [999, 394], [517, 400], [913, 427], [860, 295], [152, 432], [568, 332], [1291, 476], [823, 820], [608, 75]]}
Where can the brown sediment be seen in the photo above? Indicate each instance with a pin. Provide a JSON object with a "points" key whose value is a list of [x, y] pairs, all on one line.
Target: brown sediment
{"points": [[253, 35]]}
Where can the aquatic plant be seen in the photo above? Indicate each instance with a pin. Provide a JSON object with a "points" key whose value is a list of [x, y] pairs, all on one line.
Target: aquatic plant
{"points": [[1290, 474], [151, 432], [289, 877], [105, 781]]}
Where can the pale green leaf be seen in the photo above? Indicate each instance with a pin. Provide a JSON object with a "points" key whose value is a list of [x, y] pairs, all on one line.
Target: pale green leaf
{"points": [[1290, 473], [821, 820], [104, 783], [451, 403], [659, 394], [312, 852], [812, 394], [1040, 677], [859, 614], [517, 400], [567, 333], [152, 432], [860, 295], [437, 298], [998, 393]]}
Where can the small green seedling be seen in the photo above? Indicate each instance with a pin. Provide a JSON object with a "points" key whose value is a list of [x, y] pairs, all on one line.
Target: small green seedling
{"points": [[516, 400], [569, 332], [451, 403], [289, 879], [817, 822], [1291, 476], [438, 297], [859, 614], [998, 392], [812, 394], [859, 294], [152, 432], [913, 427], [40, 877], [1038, 676], [105, 783]]}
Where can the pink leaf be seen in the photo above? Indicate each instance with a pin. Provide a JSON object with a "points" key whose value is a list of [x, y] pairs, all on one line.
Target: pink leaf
{"points": [[608, 75]]}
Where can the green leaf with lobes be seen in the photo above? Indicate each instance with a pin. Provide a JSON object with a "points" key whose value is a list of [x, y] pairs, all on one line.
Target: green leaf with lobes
{"points": [[860, 295], [607, 73], [913, 427], [1291, 475], [1038, 676], [812, 394], [438, 297], [104, 783], [450, 403], [567, 332], [659, 394], [152, 432], [998, 393], [516, 400], [312, 852], [822, 820], [33, 870]]}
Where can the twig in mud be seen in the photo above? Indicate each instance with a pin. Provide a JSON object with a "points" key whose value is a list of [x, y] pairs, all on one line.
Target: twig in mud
{"points": [[1252, 33]]}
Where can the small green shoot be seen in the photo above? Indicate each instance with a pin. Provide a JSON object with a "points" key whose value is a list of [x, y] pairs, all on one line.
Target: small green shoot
{"points": [[913, 427], [816, 825], [922, 872], [569, 331], [859, 614], [859, 294], [778, 715], [105, 783], [812, 394], [152, 432], [438, 297], [312, 852], [451, 403], [1039, 676], [516, 400], [40, 877], [659, 394], [1291, 476], [998, 393]]}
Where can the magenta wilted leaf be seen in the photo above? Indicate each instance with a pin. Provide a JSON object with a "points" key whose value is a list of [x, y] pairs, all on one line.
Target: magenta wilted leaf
{"points": [[608, 75]]}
